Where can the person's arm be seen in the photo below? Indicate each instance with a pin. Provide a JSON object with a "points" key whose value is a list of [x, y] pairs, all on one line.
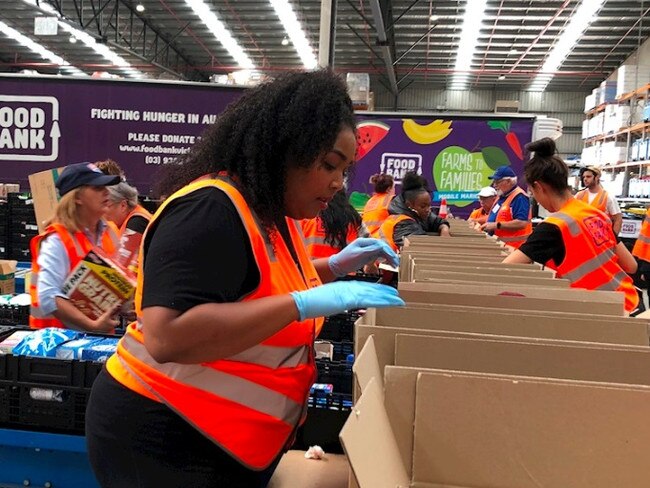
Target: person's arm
{"points": [[323, 269], [520, 207], [510, 225], [70, 315], [406, 228], [517, 257], [625, 259], [615, 215], [617, 223]]}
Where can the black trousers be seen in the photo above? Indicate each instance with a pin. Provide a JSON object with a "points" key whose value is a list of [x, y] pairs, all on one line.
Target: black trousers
{"points": [[134, 442]]}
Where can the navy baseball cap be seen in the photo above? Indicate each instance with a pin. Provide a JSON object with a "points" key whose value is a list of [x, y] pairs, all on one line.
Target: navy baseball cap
{"points": [[81, 174], [503, 172]]}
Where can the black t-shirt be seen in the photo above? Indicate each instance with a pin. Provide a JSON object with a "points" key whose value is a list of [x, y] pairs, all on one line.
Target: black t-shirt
{"points": [[137, 223], [545, 243], [198, 252]]}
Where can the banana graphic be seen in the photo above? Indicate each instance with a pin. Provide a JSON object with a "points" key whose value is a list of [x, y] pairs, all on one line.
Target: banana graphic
{"points": [[427, 134]]}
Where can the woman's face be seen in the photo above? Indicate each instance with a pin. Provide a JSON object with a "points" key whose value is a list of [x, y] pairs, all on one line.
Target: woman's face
{"points": [[93, 200], [421, 205], [309, 190], [117, 211]]}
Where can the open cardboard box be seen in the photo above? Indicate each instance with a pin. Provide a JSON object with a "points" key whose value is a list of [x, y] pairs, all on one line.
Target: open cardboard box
{"points": [[44, 193], [425, 275], [498, 269], [437, 242], [516, 297], [529, 323], [453, 429]]}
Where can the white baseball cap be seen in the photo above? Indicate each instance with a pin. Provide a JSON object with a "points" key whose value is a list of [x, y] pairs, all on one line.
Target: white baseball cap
{"points": [[487, 191]]}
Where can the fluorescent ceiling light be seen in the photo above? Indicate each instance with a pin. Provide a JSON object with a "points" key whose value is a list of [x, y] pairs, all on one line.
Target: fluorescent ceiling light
{"points": [[296, 34], [101, 49], [37, 48], [583, 16], [222, 34], [472, 22]]}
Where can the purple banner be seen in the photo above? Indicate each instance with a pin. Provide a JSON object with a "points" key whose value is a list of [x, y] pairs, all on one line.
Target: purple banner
{"points": [[455, 154], [51, 122]]}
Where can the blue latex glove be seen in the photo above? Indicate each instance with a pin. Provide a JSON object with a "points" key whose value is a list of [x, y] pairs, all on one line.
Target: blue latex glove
{"points": [[337, 297], [360, 252]]}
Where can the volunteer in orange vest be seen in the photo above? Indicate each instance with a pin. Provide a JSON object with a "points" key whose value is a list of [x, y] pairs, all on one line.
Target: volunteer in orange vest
{"points": [[208, 387], [131, 219], [641, 251], [596, 195], [486, 197], [411, 213], [334, 228], [375, 211], [510, 217], [576, 239], [77, 227]]}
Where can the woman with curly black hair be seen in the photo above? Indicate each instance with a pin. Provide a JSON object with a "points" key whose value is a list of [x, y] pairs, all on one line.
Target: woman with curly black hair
{"points": [[334, 228], [410, 213], [208, 387]]}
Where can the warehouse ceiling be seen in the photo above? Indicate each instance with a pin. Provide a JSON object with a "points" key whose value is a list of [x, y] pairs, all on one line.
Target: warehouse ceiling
{"points": [[418, 42]]}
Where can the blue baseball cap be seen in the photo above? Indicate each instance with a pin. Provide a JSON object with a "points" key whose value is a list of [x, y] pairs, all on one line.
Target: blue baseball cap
{"points": [[81, 174], [503, 172]]}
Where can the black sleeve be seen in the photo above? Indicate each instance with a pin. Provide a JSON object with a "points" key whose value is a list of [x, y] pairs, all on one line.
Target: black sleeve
{"points": [[199, 252], [545, 243], [434, 222], [137, 223], [406, 228]]}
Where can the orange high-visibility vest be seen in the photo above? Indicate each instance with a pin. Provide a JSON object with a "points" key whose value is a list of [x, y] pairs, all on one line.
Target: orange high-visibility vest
{"points": [[251, 403], [387, 229], [479, 216], [375, 212], [77, 245], [138, 211], [641, 247], [599, 201], [590, 251], [314, 238], [512, 238], [128, 253]]}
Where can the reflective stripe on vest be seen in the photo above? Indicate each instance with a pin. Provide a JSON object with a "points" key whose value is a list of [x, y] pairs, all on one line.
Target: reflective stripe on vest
{"points": [[76, 245], [387, 229], [250, 403], [641, 247], [590, 251], [513, 238]]}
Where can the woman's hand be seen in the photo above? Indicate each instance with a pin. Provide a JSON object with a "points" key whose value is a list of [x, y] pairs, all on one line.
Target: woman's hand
{"points": [[359, 253], [106, 322]]}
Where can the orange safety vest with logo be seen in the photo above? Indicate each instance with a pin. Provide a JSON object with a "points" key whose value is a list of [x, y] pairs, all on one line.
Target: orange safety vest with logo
{"points": [[138, 211], [479, 216], [599, 201], [387, 229], [641, 247], [590, 251], [76, 245], [512, 238], [375, 212], [314, 238], [251, 403]]}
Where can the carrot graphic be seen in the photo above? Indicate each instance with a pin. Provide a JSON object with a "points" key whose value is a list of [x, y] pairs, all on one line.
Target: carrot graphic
{"points": [[511, 137]]}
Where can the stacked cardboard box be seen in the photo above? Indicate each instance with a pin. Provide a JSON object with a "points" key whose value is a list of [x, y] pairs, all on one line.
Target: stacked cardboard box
{"points": [[492, 375]]}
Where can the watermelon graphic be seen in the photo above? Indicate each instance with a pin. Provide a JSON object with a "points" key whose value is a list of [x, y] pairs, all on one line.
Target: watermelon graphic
{"points": [[369, 134]]}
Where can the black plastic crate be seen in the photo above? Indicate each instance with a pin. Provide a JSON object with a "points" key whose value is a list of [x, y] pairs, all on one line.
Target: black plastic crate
{"points": [[336, 373], [342, 350], [53, 371], [22, 213], [339, 327], [22, 199], [325, 418], [14, 315], [23, 226], [19, 254]]}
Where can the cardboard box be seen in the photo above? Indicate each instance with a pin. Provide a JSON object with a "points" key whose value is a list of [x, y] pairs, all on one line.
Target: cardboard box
{"points": [[6, 188], [7, 276], [516, 297], [97, 284], [441, 428], [45, 195], [425, 276], [497, 269], [294, 471]]}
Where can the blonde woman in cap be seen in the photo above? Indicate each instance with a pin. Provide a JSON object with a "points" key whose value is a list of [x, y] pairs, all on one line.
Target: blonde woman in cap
{"points": [[595, 195], [486, 197], [78, 226]]}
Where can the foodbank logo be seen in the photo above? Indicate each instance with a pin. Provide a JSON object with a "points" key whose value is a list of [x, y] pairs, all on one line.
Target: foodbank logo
{"points": [[459, 174]]}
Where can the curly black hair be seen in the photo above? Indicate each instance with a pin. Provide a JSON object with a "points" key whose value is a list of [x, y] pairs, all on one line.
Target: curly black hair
{"points": [[337, 218], [282, 124], [412, 185]]}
